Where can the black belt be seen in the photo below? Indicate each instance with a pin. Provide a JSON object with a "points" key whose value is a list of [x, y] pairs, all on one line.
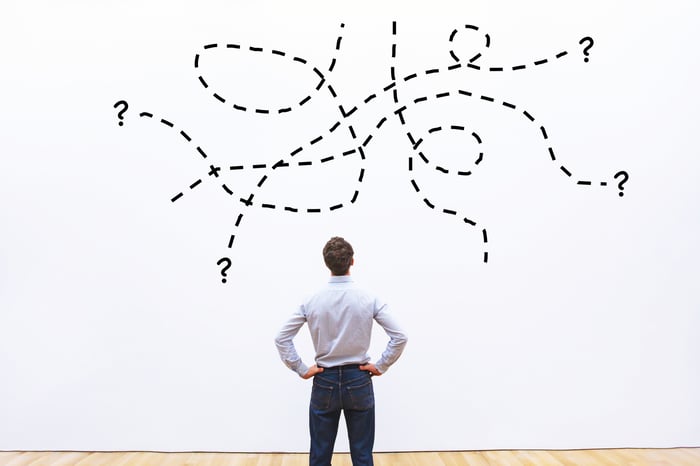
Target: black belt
{"points": [[346, 366]]}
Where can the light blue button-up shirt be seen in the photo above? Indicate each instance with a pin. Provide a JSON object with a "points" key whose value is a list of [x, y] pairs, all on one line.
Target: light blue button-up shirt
{"points": [[340, 319]]}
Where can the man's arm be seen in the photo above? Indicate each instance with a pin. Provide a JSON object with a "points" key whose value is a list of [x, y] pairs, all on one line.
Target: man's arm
{"points": [[285, 344], [397, 339]]}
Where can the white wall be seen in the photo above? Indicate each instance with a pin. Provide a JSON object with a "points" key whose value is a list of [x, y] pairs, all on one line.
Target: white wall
{"points": [[580, 331]]}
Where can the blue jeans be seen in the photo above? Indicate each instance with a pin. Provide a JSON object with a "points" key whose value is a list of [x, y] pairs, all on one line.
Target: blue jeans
{"points": [[347, 389]]}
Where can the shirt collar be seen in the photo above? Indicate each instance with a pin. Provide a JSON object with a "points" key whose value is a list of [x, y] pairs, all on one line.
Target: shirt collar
{"points": [[340, 279]]}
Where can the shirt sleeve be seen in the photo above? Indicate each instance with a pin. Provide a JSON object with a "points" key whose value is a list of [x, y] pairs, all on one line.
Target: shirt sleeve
{"points": [[285, 344], [397, 338]]}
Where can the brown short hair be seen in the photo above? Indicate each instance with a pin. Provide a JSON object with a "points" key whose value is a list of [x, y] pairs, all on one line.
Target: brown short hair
{"points": [[337, 254]]}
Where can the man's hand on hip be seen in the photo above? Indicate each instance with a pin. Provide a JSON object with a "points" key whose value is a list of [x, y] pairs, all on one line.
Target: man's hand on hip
{"points": [[371, 369], [313, 370]]}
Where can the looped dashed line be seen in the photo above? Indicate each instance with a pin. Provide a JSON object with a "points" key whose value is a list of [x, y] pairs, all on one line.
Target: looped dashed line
{"points": [[274, 53], [416, 143], [524, 114], [453, 34]]}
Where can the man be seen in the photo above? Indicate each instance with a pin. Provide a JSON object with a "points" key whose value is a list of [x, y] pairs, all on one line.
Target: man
{"points": [[340, 318]]}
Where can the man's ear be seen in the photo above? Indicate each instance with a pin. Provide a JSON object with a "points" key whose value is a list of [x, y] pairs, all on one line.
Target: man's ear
{"points": [[352, 261]]}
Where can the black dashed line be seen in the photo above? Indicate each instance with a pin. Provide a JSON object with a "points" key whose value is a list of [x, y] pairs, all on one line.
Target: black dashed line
{"points": [[456, 127], [201, 152], [296, 151], [362, 175], [443, 94], [519, 67], [238, 220], [381, 122], [262, 180], [219, 98], [368, 99], [327, 159], [305, 163], [330, 68], [443, 170], [236, 167], [233, 46], [284, 110], [390, 86], [470, 222], [584, 183], [420, 99], [496, 68], [277, 52], [230, 241], [210, 46], [320, 75], [475, 58], [476, 136], [454, 67], [195, 184], [484, 234], [410, 76], [436, 129], [196, 61], [452, 36], [432, 71], [487, 98], [186, 136], [255, 49], [415, 186], [352, 132], [334, 127], [563, 168], [300, 60], [146, 114], [472, 66], [541, 62], [291, 209], [260, 165], [422, 156], [177, 196], [362, 153], [410, 164], [450, 212], [268, 206], [304, 100], [348, 152], [529, 117], [467, 93], [464, 173], [454, 57], [509, 105], [551, 153], [367, 140], [316, 140], [166, 122], [239, 107], [354, 196], [314, 211], [262, 111], [204, 83], [428, 203], [562, 54], [544, 132], [337, 206]]}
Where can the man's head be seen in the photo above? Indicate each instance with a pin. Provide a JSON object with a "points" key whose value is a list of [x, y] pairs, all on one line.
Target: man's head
{"points": [[337, 254]]}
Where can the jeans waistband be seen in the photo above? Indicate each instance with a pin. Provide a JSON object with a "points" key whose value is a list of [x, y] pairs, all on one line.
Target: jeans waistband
{"points": [[346, 366]]}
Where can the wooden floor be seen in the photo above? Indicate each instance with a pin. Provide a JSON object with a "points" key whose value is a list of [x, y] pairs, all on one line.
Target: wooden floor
{"points": [[632, 457]]}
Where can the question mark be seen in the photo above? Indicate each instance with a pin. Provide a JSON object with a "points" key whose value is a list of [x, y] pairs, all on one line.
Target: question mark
{"points": [[121, 112], [223, 271], [625, 177], [586, 48]]}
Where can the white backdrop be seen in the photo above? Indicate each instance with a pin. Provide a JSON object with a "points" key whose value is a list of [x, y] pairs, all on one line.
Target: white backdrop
{"points": [[580, 329]]}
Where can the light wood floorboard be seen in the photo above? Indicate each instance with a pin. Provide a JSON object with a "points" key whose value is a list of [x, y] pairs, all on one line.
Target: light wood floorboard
{"points": [[615, 457]]}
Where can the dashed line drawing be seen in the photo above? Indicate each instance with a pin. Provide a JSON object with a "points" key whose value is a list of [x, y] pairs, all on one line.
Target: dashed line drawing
{"points": [[358, 148]]}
